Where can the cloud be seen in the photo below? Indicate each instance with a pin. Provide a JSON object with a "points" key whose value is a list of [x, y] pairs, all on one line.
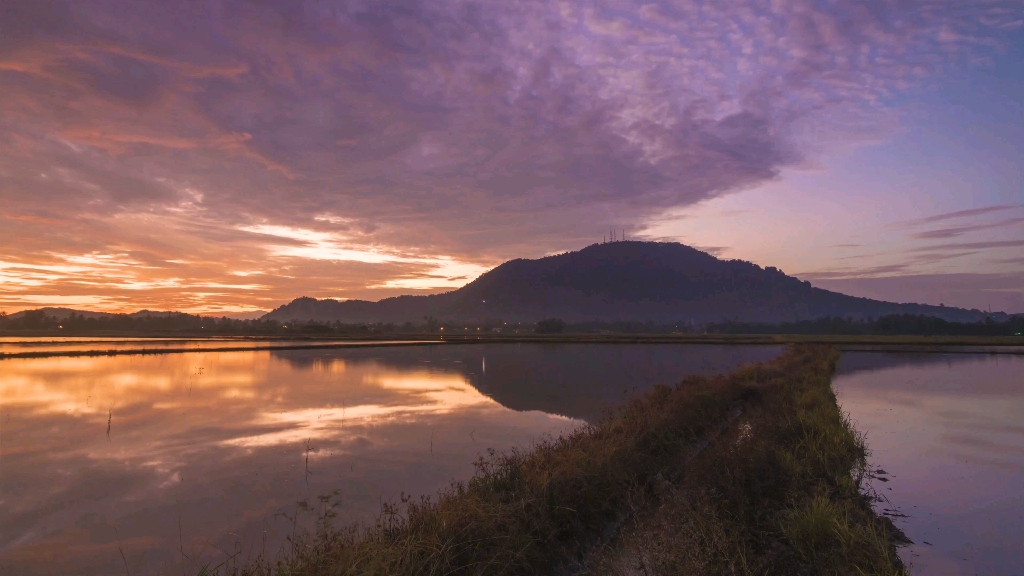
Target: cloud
{"points": [[1004, 292], [869, 272], [965, 214], [418, 133], [440, 272], [956, 231], [1017, 261], [963, 246], [717, 251]]}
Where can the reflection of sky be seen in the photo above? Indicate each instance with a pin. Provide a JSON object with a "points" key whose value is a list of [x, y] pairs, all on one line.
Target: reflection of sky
{"points": [[950, 431], [15, 346], [220, 441]]}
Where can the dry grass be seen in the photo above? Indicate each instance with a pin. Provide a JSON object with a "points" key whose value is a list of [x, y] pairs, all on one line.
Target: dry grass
{"points": [[779, 494]]}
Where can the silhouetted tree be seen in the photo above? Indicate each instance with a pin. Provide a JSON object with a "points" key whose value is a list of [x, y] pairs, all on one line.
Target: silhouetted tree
{"points": [[549, 326], [432, 323]]}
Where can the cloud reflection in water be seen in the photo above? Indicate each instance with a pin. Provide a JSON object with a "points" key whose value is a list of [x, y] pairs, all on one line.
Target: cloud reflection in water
{"points": [[224, 442], [220, 440]]}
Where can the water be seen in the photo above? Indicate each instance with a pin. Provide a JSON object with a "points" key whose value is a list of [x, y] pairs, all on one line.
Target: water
{"points": [[20, 346], [949, 432], [177, 460]]}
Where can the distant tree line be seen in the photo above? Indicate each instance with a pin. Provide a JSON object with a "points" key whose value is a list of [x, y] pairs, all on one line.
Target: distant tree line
{"points": [[895, 324], [550, 326], [181, 323], [177, 323]]}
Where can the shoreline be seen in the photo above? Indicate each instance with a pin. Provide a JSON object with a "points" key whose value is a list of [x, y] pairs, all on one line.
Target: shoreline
{"points": [[876, 344]]}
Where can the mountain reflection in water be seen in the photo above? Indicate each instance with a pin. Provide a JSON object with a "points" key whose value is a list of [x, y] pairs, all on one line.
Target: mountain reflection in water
{"points": [[182, 459]]}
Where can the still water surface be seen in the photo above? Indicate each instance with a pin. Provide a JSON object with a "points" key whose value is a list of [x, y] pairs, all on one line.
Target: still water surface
{"points": [[178, 460], [948, 431], [20, 346]]}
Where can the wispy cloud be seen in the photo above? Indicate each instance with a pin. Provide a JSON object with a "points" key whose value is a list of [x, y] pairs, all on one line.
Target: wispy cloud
{"points": [[965, 214], [437, 271], [955, 231], [713, 250], [965, 246], [1017, 261], [850, 272]]}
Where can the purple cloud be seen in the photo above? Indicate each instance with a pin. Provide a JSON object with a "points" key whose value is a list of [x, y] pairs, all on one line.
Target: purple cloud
{"points": [[478, 130], [955, 231], [966, 213]]}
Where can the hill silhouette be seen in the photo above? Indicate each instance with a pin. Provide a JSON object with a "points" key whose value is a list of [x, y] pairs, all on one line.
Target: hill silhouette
{"points": [[64, 313], [621, 281]]}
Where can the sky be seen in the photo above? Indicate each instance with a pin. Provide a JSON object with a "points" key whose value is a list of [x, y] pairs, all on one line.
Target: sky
{"points": [[226, 156]]}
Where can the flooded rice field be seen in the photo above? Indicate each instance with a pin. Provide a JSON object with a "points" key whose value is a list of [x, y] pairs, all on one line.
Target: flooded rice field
{"points": [[946, 434], [164, 463]]}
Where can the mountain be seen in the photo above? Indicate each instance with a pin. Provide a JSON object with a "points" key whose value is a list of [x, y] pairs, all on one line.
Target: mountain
{"points": [[621, 281], [63, 313], [250, 315]]}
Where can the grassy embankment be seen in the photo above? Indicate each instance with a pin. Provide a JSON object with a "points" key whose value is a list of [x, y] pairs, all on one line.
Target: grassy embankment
{"points": [[775, 491], [778, 493]]}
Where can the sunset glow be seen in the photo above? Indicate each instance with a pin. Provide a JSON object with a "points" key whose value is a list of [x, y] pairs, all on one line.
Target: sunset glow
{"points": [[223, 157]]}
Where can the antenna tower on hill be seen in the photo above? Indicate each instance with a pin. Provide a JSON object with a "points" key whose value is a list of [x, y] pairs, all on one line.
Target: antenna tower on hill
{"points": [[614, 235]]}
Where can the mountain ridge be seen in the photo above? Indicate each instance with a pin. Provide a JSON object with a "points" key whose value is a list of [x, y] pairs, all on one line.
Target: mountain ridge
{"points": [[621, 281], [62, 313]]}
